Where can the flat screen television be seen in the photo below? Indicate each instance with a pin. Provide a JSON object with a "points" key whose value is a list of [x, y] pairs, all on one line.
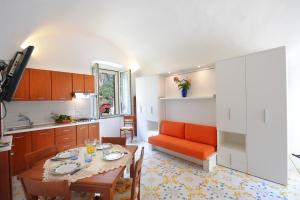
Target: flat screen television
{"points": [[12, 75]]}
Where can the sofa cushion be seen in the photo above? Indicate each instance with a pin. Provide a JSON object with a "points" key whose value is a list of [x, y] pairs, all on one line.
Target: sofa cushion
{"points": [[202, 134], [175, 129], [189, 148]]}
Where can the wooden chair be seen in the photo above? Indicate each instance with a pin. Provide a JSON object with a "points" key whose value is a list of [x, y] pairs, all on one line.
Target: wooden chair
{"points": [[37, 188], [129, 125], [40, 155], [114, 140], [130, 188]]}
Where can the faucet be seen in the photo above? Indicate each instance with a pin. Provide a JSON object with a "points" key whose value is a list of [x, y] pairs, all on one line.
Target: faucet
{"points": [[25, 118]]}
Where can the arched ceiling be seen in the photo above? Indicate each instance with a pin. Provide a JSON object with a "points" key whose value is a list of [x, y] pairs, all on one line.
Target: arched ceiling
{"points": [[165, 35]]}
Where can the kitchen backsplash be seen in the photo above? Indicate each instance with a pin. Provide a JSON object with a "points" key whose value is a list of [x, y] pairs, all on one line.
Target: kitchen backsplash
{"points": [[40, 111]]}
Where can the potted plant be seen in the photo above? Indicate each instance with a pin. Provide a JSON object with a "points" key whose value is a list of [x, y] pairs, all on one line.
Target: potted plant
{"points": [[183, 84], [105, 108]]}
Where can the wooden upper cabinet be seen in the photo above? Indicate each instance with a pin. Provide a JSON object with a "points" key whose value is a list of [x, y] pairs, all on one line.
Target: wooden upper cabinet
{"points": [[89, 84], [94, 131], [42, 139], [22, 92], [61, 86], [40, 84], [78, 82], [21, 146]]}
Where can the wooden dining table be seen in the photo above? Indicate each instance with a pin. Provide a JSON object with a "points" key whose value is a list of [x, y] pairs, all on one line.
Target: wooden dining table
{"points": [[103, 183]]}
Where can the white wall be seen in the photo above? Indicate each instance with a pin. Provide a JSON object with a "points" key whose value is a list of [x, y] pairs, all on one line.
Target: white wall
{"points": [[62, 49], [40, 111], [110, 127], [293, 99], [203, 83], [201, 111]]}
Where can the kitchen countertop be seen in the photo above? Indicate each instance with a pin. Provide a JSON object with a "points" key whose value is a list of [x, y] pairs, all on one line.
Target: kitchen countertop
{"points": [[48, 126], [6, 139]]}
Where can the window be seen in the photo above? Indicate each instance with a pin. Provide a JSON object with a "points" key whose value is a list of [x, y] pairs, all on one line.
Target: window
{"points": [[114, 94]]}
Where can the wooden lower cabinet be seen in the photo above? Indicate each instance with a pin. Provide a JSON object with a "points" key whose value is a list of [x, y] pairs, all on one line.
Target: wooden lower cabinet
{"points": [[82, 134], [65, 138], [20, 146], [42, 139], [5, 175], [94, 131]]}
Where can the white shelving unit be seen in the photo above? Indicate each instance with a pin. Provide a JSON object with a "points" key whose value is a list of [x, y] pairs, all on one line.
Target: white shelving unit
{"points": [[188, 98]]}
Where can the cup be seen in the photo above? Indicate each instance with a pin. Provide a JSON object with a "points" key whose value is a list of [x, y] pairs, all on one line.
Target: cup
{"points": [[88, 157], [74, 154]]}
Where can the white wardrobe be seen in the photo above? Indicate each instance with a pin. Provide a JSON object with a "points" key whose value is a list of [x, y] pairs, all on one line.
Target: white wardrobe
{"points": [[148, 91], [252, 114]]}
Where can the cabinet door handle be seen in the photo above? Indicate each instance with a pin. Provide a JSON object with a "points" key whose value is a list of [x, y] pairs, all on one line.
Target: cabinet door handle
{"points": [[66, 138], [229, 113], [66, 130], [151, 109], [19, 137], [141, 109], [12, 153], [265, 116], [41, 98], [44, 133]]}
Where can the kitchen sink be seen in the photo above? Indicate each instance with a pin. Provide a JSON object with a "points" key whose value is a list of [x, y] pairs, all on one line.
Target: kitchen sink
{"points": [[19, 128]]}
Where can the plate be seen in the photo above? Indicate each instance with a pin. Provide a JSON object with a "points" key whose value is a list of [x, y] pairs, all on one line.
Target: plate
{"points": [[115, 155], [64, 155], [104, 146], [65, 168]]}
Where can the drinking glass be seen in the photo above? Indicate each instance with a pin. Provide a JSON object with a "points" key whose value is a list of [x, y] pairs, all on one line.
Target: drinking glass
{"points": [[88, 157]]}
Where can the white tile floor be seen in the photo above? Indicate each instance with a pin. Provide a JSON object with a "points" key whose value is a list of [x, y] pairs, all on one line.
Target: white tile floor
{"points": [[168, 177]]}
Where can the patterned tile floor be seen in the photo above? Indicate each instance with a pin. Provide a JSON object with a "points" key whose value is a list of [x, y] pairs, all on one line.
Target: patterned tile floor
{"points": [[168, 177]]}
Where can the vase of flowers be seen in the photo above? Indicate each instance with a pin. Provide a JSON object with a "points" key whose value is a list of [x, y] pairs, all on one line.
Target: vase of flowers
{"points": [[183, 84], [105, 108]]}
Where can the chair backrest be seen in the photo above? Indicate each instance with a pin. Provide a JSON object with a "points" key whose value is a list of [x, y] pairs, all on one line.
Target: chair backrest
{"points": [[37, 188], [114, 140], [129, 120], [33, 157], [137, 174]]}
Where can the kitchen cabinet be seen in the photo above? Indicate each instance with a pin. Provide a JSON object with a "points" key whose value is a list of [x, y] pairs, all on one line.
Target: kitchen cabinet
{"points": [[78, 82], [65, 137], [5, 175], [20, 146], [42, 139], [61, 86], [39, 84], [89, 83], [94, 131], [267, 115], [231, 92], [22, 92], [82, 132]]}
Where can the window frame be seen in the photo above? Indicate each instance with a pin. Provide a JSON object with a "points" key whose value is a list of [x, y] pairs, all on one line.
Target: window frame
{"points": [[117, 105]]}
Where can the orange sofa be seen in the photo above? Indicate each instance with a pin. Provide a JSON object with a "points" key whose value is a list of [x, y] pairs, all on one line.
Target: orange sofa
{"points": [[193, 141]]}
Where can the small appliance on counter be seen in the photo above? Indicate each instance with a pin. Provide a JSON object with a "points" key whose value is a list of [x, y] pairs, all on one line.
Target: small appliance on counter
{"points": [[86, 119]]}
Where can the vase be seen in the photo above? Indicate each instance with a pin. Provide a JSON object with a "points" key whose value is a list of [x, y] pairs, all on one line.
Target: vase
{"points": [[184, 92]]}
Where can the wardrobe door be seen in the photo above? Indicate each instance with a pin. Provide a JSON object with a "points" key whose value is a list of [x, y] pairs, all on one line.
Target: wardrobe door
{"points": [[267, 115], [231, 95], [141, 108]]}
